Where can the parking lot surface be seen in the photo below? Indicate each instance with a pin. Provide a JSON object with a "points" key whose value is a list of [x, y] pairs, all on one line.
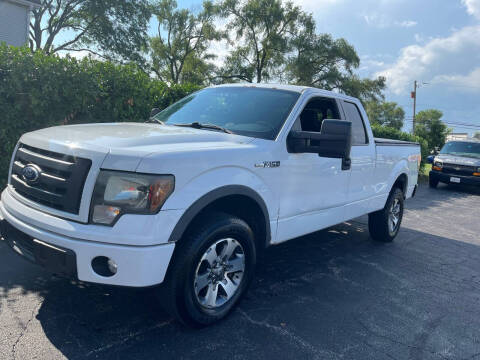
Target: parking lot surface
{"points": [[334, 294]]}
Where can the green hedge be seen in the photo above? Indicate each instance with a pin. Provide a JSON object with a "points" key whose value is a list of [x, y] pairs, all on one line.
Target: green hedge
{"points": [[392, 133], [38, 91]]}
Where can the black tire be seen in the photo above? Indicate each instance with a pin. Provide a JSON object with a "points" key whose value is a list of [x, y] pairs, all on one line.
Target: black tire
{"points": [[378, 222], [178, 291], [433, 183]]}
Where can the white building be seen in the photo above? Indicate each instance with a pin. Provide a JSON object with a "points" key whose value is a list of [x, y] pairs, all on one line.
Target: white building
{"points": [[457, 136], [15, 20]]}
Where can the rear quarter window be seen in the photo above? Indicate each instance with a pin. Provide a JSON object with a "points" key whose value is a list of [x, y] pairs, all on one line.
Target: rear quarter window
{"points": [[359, 132]]}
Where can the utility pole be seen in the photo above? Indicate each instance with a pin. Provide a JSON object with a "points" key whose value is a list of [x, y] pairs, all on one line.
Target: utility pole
{"points": [[414, 97]]}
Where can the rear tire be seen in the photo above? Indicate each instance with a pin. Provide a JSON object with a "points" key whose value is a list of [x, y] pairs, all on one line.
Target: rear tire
{"points": [[385, 224], [204, 281], [433, 183]]}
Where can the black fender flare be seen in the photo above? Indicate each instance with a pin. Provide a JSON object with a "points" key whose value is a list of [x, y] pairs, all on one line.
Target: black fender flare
{"points": [[209, 198]]}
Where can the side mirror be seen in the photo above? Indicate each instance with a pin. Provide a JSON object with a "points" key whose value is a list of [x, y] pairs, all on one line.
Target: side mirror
{"points": [[154, 112], [333, 141], [430, 159]]}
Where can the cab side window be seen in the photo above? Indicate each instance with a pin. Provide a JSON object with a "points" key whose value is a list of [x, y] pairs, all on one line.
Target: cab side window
{"points": [[317, 110], [359, 133]]}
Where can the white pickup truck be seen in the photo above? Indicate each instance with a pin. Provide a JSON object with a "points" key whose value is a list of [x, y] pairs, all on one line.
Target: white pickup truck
{"points": [[190, 198]]}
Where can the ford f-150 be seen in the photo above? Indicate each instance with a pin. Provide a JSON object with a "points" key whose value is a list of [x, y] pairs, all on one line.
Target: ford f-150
{"points": [[189, 199]]}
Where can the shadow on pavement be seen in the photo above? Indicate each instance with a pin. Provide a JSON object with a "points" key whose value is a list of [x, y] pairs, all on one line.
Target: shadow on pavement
{"points": [[332, 294], [444, 194]]}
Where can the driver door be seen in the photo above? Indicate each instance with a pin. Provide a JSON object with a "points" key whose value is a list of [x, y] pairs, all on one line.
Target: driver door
{"points": [[314, 189]]}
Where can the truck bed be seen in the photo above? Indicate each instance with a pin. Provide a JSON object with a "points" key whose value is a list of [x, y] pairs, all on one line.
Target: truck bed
{"points": [[391, 142]]}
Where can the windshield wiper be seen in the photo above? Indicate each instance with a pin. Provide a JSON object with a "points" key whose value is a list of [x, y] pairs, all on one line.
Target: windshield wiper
{"points": [[197, 125]]}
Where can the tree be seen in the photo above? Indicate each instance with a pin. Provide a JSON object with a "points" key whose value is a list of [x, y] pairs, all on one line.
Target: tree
{"points": [[385, 114], [263, 31], [429, 127], [477, 135], [364, 89], [180, 51], [320, 60], [108, 28], [327, 63]]}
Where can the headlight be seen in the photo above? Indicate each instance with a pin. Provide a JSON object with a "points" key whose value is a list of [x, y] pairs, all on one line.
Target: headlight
{"points": [[438, 164], [118, 192]]}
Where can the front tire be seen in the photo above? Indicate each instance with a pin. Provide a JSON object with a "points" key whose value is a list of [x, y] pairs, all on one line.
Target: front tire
{"points": [[433, 183], [211, 270], [385, 224]]}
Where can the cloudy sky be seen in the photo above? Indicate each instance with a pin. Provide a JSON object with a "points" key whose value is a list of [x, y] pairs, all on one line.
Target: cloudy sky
{"points": [[436, 42]]}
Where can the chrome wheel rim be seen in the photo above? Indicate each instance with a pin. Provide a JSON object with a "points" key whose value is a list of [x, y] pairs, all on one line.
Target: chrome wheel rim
{"points": [[394, 215], [219, 273]]}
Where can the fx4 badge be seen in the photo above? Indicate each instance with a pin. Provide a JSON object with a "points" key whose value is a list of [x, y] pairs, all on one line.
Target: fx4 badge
{"points": [[268, 164]]}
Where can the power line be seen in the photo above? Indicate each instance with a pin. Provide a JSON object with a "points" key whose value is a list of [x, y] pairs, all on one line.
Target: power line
{"points": [[460, 86], [451, 123]]}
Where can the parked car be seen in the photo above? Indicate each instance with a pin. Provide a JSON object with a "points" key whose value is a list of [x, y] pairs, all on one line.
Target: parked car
{"points": [[458, 162], [190, 199]]}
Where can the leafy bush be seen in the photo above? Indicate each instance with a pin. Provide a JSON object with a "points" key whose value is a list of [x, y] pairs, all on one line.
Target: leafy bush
{"points": [[38, 91], [392, 133]]}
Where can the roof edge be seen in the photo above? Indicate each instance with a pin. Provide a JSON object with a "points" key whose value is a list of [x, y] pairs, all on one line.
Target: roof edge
{"points": [[29, 3]]}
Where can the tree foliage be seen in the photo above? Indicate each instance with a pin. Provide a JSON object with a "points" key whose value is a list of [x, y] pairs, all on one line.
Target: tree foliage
{"points": [[271, 40], [110, 28], [321, 61], [262, 32], [364, 89], [179, 53], [428, 125], [385, 114], [476, 135]]}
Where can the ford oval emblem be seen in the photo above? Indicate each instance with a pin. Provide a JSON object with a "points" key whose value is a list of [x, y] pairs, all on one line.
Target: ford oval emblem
{"points": [[31, 173]]}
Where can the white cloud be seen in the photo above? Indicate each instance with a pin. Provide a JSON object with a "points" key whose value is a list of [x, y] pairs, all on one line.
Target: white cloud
{"points": [[473, 7], [469, 82], [418, 38], [438, 57], [316, 5], [382, 21], [406, 23]]}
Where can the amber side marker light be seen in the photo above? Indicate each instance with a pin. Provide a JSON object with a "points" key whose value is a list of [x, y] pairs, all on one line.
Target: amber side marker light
{"points": [[476, 174], [436, 168]]}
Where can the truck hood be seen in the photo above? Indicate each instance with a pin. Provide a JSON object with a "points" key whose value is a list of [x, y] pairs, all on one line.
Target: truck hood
{"points": [[123, 145], [458, 160]]}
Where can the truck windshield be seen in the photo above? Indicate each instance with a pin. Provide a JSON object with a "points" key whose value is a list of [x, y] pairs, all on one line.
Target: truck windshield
{"points": [[462, 148], [255, 112]]}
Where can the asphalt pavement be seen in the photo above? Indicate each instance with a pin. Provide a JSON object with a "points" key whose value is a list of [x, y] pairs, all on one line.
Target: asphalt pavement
{"points": [[334, 294]]}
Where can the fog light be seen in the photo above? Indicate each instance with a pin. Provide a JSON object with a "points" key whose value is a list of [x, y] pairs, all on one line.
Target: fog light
{"points": [[104, 266], [112, 266]]}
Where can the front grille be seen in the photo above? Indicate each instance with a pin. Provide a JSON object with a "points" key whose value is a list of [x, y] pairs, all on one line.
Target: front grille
{"points": [[455, 169], [60, 182]]}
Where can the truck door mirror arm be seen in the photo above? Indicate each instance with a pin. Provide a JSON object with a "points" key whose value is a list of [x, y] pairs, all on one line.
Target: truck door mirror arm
{"points": [[333, 141]]}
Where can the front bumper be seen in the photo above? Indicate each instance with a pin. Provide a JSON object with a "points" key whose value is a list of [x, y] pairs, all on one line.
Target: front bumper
{"points": [[53, 258], [445, 178], [138, 266]]}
